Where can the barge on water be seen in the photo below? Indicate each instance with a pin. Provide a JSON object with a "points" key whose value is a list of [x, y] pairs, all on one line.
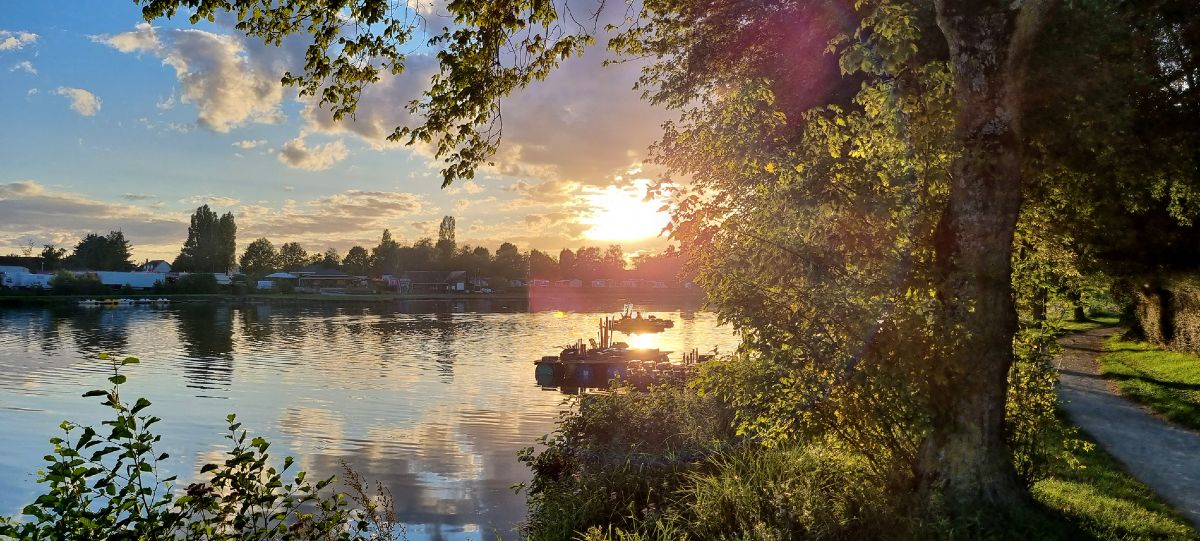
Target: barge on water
{"points": [[633, 323], [596, 365]]}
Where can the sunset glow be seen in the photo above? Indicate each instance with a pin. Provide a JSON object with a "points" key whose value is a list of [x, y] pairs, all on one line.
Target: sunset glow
{"points": [[624, 215]]}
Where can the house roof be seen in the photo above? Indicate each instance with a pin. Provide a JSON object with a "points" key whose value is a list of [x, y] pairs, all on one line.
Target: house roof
{"points": [[432, 277], [317, 271], [280, 275]]}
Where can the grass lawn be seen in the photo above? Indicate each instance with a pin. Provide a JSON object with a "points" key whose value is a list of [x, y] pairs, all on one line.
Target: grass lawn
{"points": [[1067, 326], [1104, 502], [1166, 381]]}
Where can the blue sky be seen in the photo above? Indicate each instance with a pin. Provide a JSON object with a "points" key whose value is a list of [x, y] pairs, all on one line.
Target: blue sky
{"points": [[113, 123]]}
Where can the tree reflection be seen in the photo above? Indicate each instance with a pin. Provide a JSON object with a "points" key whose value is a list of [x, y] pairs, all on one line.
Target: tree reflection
{"points": [[206, 332]]}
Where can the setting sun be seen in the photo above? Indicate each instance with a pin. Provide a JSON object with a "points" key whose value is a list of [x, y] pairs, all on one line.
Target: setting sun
{"points": [[622, 215]]}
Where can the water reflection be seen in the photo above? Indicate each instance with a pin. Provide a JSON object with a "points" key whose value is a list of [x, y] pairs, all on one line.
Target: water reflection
{"points": [[431, 398]]}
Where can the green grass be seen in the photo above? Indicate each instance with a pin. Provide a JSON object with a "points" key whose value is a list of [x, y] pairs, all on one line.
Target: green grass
{"points": [[1104, 502], [1168, 382], [1067, 326]]}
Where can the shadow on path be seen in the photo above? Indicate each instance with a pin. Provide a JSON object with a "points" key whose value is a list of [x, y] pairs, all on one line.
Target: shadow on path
{"points": [[1163, 456]]}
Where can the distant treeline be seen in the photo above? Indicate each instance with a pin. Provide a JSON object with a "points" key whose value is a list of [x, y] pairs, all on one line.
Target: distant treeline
{"points": [[211, 246]]}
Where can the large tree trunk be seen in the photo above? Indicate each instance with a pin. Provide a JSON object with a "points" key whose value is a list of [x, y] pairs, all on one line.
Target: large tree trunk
{"points": [[965, 456]]}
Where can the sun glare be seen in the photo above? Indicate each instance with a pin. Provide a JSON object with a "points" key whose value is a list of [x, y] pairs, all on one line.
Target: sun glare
{"points": [[622, 215]]}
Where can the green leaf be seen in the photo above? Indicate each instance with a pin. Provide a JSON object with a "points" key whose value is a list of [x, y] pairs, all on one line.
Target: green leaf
{"points": [[130, 360], [117, 379], [96, 392]]}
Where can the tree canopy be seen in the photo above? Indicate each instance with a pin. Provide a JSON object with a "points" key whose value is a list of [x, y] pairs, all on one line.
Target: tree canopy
{"points": [[109, 252], [856, 187], [211, 244]]}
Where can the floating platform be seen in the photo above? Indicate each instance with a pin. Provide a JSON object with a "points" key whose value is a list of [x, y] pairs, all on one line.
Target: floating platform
{"points": [[579, 367]]}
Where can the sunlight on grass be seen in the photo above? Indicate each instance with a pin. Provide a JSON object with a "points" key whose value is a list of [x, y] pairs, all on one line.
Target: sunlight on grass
{"points": [[1166, 381], [1068, 326], [1106, 502]]}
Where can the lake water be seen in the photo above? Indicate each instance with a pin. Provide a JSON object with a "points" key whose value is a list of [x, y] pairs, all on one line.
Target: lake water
{"points": [[432, 398]]}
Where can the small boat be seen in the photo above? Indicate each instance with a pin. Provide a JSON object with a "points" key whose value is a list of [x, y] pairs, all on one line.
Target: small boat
{"points": [[632, 322]]}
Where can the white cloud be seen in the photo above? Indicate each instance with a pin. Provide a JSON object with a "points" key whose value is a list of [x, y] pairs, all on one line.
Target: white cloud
{"points": [[214, 200], [469, 187], [250, 143], [142, 39], [12, 40], [297, 155], [584, 123], [82, 101], [229, 86], [25, 66], [166, 103], [32, 210]]}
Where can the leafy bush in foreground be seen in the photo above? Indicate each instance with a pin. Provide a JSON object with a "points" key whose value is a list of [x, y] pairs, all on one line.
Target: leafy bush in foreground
{"points": [[104, 484]]}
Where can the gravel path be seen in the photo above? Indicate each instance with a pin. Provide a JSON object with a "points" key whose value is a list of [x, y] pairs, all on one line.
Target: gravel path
{"points": [[1163, 456]]}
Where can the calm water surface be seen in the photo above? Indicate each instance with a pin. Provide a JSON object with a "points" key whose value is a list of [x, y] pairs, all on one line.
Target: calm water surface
{"points": [[431, 398]]}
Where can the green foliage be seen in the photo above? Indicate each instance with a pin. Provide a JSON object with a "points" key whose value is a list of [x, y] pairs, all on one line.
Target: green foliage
{"points": [[200, 283], [493, 49], [617, 457], [259, 259], [1092, 490], [52, 257], [67, 283], [292, 257], [105, 484], [1038, 442], [102, 252], [211, 245], [811, 492], [1167, 382], [357, 261]]}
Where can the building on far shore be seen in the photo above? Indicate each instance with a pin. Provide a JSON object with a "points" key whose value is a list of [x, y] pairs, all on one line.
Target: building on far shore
{"points": [[430, 281], [158, 265]]}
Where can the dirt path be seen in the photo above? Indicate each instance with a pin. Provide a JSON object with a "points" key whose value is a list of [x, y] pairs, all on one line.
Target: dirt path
{"points": [[1165, 457]]}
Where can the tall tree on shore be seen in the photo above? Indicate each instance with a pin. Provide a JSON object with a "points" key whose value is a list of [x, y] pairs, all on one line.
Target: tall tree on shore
{"points": [[292, 256], [509, 262], [102, 252], [330, 259], [211, 245], [542, 266], [52, 257], [446, 243], [357, 261], [385, 258], [259, 259]]}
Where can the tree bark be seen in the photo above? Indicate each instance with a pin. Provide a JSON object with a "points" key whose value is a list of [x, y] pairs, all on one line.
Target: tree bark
{"points": [[965, 456], [1078, 313]]}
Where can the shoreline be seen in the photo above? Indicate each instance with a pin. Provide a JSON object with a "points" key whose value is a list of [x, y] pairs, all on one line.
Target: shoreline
{"points": [[646, 295]]}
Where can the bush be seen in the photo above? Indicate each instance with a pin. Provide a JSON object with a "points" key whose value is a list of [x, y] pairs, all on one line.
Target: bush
{"points": [[617, 459], [105, 485], [67, 283], [810, 492], [1039, 442], [194, 283]]}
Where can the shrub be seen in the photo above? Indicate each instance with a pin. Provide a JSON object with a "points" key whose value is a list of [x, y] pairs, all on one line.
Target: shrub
{"points": [[810, 492], [1037, 439], [104, 484], [617, 459], [195, 283], [67, 283]]}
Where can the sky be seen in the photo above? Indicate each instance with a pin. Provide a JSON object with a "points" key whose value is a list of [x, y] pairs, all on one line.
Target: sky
{"points": [[113, 123]]}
